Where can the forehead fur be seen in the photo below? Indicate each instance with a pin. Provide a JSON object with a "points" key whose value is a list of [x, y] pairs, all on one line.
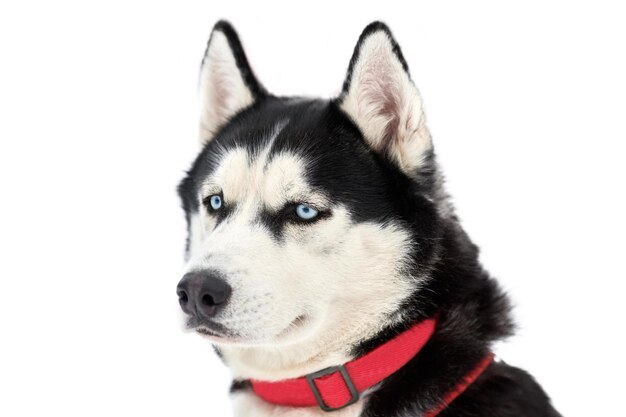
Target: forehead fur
{"points": [[300, 142], [270, 179]]}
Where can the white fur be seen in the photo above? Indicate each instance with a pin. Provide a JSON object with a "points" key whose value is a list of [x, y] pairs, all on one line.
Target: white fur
{"points": [[385, 104], [196, 233], [223, 91], [246, 404], [300, 303]]}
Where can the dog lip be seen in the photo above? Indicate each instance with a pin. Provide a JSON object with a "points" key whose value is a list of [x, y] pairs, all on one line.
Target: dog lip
{"points": [[207, 327], [208, 332], [299, 320], [296, 323]]}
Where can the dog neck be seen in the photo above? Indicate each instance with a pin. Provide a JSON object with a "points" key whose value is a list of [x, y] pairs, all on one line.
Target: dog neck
{"points": [[340, 386], [359, 375]]}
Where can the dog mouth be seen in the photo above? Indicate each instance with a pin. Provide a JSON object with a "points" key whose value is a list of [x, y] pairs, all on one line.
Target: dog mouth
{"points": [[208, 328], [295, 326], [207, 332], [299, 321]]}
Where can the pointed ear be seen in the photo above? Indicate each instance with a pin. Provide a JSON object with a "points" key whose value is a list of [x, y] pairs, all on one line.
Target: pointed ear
{"points": [[227, 84], [383, 102]]}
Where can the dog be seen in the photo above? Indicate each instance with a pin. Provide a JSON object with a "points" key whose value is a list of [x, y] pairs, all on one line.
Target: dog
{"points": [[324, 259]]}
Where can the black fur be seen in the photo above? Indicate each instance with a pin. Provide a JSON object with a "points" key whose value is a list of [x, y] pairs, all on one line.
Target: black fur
{"points": [[473, 311], [239, 385]]}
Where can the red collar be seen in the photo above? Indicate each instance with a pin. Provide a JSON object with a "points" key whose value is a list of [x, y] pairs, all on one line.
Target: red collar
{"points": [[339, 386]]}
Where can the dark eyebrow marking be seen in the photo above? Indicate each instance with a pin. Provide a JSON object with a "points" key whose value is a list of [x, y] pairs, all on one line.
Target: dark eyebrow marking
{"points": [[276, 220]]}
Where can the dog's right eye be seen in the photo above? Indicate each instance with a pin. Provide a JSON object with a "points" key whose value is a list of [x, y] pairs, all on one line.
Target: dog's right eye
{"points": [[306, 212]]}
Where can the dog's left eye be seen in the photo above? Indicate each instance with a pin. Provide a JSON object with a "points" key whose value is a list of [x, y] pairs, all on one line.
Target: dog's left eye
{"points": [[306, 212], [215, 201]]}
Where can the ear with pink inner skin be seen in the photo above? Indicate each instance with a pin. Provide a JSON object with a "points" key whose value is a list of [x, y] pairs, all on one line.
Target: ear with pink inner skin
{"points": [[380, 98], [227, 83]]}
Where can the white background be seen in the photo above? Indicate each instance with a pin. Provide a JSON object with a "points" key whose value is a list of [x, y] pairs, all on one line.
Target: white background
{"points": [[98, 121]]}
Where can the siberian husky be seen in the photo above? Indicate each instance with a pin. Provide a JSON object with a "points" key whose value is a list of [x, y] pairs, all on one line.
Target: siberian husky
{"points": [[325, 262]]}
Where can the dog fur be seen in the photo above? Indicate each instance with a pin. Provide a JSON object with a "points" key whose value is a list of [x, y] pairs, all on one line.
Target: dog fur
{"points": [[385, 251]]}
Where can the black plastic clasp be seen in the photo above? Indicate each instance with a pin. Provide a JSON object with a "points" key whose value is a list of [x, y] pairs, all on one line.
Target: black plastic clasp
{"points": [[354, 394]]}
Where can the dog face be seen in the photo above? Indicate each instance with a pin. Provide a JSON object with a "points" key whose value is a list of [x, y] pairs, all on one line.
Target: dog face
{"points": [[311, 222]]}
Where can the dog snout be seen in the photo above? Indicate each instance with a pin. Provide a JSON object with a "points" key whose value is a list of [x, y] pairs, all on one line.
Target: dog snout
{"points": [[202, 294]]}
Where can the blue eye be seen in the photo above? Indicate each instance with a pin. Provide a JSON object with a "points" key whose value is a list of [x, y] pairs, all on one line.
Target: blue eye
{"points": [[216, 202], [305, 212]]}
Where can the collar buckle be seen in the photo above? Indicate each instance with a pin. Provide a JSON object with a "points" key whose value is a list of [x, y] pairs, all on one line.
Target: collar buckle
{"points": [[354, 394]]}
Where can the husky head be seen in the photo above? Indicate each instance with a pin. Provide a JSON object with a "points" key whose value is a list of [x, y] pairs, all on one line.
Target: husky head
{"points": [[312, 223]]}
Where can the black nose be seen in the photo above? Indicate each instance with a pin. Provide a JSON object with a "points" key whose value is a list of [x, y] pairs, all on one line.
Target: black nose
{"points": [[202, 294]]}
